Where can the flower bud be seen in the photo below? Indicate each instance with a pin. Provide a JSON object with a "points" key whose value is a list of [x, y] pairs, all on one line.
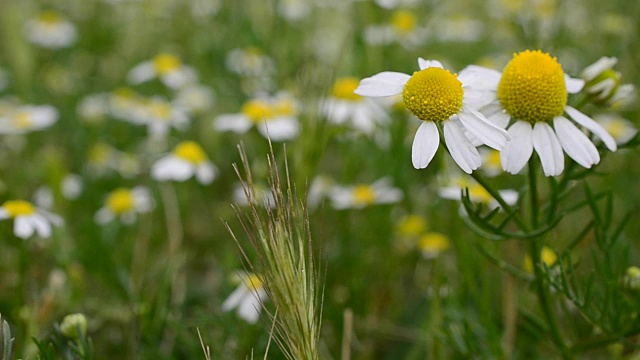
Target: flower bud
{"points": [[602, 83], [74, 326], [631, 279]]}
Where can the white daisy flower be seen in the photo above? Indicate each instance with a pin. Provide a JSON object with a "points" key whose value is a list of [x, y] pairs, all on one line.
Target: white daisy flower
{"points": [[402, 29], [344, 106], [602, 83], [477, 193], [533, 91], [104, 158], [276, 118], [160, 115], [491, 165], [127, 105], [362, 195], [125, 204], [249, 61], [247, 298], [186, 160], [434, 95], [196, 99], [28, 219], [93, 108], [50, 30], [621, 129], [166, 67], [27, 118], [432, 245]]}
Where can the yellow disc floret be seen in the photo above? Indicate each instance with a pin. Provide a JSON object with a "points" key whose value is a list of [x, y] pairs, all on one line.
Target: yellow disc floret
{"points": [[433, 94], [165, 63], [532, 87], [120, 201], [18, 208], [190, 151], [403, 21], [363, 195], [343, 89], [257, 110]]}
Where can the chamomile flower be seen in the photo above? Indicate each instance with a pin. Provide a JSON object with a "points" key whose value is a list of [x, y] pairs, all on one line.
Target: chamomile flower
{"points": [[547, 255], [125, 204], [343, 105], [491, 165], [477, 193], [433, 244], [186, 160], [104, 158], [436, 96], [93, 109], [249, 61], [28, 219], [402, 28], [26, 118], [533, 90], [247, 298], [363, 195], [621, 129], [196, 99], [274, 117], [161, 115], [602, 83], [166, 67], [51, 30]]}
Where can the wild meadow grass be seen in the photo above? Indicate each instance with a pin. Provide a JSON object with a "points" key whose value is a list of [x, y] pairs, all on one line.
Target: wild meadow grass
{"points": [[135, 227]]}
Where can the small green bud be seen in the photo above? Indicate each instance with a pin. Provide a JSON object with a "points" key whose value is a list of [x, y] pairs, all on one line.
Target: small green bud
{"points": [[631, 279], [73, 326]]}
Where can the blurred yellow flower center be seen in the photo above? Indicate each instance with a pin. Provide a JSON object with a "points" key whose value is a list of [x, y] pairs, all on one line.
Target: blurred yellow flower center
{"points": [[433, 94], [253, 282], [257, 110], [616, 128], [493, 159], [191, 152], [404, 21], [120, 201], [547, 256], [363, 195], [633, 272], [165, 63], [160, 110], [50, 17], [433, 243], [478, 193], [343, 89], [22, 120], [412, 225], [124, 93], [284, 107], [100, 153], [18, 208], [532, 87]]}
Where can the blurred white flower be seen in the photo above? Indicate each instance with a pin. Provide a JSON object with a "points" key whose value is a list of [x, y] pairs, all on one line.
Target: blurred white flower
{"points": [[363, 195], [50, 30], [196, 99], [603, 83], [432, 244], [249, 61], [247, 298], [318, 190], [72, 186], [166, 67], [262, 195], [394, 4], [160, 115], [458, 28], [477, 193], [621, 129], [28, 219], [186, 160], [402, 29], [104, 158], [93, 108], [294, 10], [491, 164], [274, 117], [125, 204], [26, 118]]}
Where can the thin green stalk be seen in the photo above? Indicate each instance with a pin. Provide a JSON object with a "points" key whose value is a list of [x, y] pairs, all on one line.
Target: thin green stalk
{"points": [[496, 195], [533, 193]]}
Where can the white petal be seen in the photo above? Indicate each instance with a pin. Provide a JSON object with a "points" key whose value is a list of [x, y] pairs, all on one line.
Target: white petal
{"points": [[509, 196], [573, 85], [205, 173], [386, 83], [425, 144], [575, 143], [595, 69], [424, 64], [280, 129], [103, 216], [592, 126], [22, 227], [479, 76], [462, 151], [548, 148], [172, 168], [450, 192], [496, 115], [41, 225], [483, 129], [519, 148], [4, 214], [237, 123], [235, 298], [141, 73], [250, 307]]}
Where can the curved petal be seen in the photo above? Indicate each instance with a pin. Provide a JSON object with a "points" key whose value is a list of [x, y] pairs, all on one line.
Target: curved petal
{"points": [[474, 75], [518, 149], [386, 83], [573, 85], [237, 123], [593, 126], [424, 64], [592, 71], [41, 225], [172, 168], [279, 129], [483, 129], [575, 143], [461, 150], [496, 115], [205, 173], [141, 73], [548, 148], [425, 144], [22, 227], [235, 298]]}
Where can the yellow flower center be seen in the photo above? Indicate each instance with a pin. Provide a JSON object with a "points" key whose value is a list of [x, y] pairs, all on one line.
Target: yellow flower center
{"points": [[403, 21], [284, 107], [165, 63], [616, 128], [547, 256], [50, 17], [478, 193], [343, 89], [100, 153], [433, 243], [160, 111], [532, 87], [120, 201], [18, 208], [363, 195], [433, 94], [412, 225], [124, 93], [253, 282], [190, 151], [257, 110], [22, 120]]}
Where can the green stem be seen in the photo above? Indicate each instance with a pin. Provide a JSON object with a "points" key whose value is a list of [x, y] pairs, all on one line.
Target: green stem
{"points": [[496, 195], [533, 193]]}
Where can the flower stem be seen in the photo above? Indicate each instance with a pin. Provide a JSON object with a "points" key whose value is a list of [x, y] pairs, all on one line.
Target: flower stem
{"points": [[496, 195]]}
